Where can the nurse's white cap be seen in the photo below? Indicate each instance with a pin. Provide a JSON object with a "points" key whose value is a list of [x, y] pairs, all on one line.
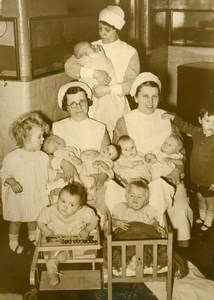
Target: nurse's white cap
{"points": [[68, 85], [141, 78], [113, 15]]}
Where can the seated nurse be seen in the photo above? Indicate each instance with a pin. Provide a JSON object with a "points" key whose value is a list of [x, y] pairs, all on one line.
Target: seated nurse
{"points": [[147, 128], [78, 130], [145, 124]]}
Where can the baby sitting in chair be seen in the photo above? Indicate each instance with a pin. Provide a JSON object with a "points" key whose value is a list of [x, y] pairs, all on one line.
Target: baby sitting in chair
{"points": [[70, 216], [135, 209], [136, 219], [87, 164]]}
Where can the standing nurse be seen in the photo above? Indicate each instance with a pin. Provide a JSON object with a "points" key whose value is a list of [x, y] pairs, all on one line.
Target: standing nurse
{"points": [[124, 58]]}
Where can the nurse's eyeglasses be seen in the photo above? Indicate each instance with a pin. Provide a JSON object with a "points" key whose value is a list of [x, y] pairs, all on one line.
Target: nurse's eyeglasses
{"points": [[82, 102]]}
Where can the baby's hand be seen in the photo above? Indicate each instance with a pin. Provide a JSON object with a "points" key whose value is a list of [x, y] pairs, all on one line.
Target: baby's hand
{"points": [[123, 225], [168, 115], [211, 188], [84, 233], [16, 187], [162, 231], [151, 158], [47, 232]]}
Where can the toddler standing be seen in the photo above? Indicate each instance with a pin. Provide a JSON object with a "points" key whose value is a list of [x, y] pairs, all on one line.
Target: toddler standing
{"points": [[24, 177], [201, 160]]}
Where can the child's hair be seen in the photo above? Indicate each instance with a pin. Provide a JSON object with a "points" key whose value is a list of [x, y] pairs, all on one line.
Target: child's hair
{"points": [[124, 138], [21, 128], [140, 184], [109, 25], [71, 91], [50, 138], [76, 188], [178, 140], [208, 106], [79, 49], [118, 150]]}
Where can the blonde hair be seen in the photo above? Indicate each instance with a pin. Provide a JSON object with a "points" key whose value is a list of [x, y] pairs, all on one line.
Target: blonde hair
{"points": [[21, 128], [140, 184]]}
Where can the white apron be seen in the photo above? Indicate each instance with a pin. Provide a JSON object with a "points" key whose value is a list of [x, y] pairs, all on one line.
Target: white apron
{"points": [[147, 130], [87, 134]]}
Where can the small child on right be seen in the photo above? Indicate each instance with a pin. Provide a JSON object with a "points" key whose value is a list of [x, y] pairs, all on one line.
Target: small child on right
{"points": [[201, 160]]}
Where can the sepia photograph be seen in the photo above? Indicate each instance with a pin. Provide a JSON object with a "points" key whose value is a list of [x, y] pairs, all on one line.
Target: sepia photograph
{"points": [[107, 149]]}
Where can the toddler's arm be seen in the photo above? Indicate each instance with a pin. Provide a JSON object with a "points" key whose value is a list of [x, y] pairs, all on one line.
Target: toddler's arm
{"points": [[168, 115], [159, 228], [120, 223], [211, 188], [86, 231], [15, 185], [44, 229]]}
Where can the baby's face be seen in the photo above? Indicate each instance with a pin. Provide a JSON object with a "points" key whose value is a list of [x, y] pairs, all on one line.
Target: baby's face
{"points": [[109, 152], [128, 148], [170, 145], [207, 123], [89, 49], [68, 204], [137, 197], [54, 144]]}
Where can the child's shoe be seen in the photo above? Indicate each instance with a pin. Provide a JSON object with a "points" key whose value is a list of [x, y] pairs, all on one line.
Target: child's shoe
{"points": [[53, 279]]}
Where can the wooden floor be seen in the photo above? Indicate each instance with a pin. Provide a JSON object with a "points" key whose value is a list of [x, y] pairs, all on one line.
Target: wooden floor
{"points": [[14, 269]]}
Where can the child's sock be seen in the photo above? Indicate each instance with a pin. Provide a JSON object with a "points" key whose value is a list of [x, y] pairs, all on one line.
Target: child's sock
{"points": [[202, 216], [208, 220], [14, 244], [32, 235]]}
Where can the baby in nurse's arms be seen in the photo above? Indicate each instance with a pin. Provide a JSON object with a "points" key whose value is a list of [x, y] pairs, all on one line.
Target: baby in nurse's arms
{"points": [[161, 162], [87, 164]]}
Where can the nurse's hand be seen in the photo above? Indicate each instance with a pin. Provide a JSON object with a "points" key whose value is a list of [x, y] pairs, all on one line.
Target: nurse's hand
{"points": [[101, 76], [99, 180], [69, 171], [100, 90]]}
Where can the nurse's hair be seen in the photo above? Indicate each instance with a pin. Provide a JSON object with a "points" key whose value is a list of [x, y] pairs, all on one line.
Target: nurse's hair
{"points": [[71, 91], [147, 83]]}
